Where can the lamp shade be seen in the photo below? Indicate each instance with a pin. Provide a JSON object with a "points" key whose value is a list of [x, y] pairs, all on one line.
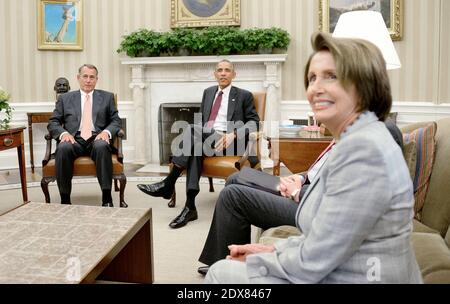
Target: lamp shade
{"points": [[369, 25]]}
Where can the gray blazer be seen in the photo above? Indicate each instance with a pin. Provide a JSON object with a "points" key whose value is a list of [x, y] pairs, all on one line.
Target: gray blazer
{"points": [[356, 218], [67, 114]]}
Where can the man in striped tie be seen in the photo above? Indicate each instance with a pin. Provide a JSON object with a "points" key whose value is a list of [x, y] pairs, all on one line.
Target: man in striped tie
{"points": [[228, 116]]}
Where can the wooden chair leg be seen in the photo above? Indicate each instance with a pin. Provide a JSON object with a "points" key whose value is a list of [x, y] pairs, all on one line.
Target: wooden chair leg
{"points": [[211, 186], [122, 184], [173, 199], [44, 185]]}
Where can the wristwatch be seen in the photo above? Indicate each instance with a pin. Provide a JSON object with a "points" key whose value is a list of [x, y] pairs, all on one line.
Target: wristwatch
{"points": [[294, 193]]}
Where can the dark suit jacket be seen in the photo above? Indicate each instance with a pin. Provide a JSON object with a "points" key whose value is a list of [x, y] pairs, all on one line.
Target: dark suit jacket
{"points": [[67, 114], [240, 109]]}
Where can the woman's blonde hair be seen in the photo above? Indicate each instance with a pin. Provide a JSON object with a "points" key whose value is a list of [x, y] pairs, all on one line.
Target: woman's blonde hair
{"points": [[359, 63]]}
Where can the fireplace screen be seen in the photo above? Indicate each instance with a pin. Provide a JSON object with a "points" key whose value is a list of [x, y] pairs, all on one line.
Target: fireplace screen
{"points": [[168, 114]]}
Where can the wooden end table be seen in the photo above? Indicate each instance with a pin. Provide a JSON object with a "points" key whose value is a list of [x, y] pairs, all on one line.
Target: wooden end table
{"points": [[35, 117], [13, 138], [297, 152]]}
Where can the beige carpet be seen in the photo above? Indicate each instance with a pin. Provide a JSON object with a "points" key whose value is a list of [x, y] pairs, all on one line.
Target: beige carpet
{"points": [[175, 250]]}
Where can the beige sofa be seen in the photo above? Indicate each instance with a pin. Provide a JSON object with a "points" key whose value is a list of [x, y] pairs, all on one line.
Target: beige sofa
{"points": [[431, 236]]}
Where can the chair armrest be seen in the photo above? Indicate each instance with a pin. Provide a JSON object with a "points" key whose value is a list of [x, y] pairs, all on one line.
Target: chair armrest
{"points": [[120, 136], [249, 154], [48, 149]]}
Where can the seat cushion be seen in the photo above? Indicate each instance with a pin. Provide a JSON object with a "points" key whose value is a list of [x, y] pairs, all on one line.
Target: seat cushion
{"points": [[219, 166], [419, 227], [425, 148], [433, 257], [83, 166]]}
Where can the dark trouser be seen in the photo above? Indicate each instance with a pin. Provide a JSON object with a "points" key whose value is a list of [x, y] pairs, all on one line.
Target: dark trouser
{"points": [[193, 166], [239, 207], [66, 153], [192, 160]]}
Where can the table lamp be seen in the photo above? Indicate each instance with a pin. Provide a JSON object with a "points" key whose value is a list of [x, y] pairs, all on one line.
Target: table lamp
{"points": [[368, 25]]}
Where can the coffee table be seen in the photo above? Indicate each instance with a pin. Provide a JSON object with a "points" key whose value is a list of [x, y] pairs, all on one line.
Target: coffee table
{"points": [[53, 243]]}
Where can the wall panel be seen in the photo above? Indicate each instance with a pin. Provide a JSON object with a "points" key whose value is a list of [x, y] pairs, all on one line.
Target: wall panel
{"points": [[29, 74], [444, 56]]}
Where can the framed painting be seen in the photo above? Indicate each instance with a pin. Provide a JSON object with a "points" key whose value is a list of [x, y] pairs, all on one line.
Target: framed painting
{"points": [[60, 25], [391, 10], [202, 13]]}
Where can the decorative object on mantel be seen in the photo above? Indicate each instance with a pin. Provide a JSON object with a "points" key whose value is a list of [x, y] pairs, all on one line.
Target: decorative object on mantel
{"points": [[205, 41], [4, 105]]}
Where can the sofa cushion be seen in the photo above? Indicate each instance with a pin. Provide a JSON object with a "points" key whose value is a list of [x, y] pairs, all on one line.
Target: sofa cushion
{"points": [[419, 227], [436, 211], [447, 237], [271, 235], [425, 147], [433, 257]]}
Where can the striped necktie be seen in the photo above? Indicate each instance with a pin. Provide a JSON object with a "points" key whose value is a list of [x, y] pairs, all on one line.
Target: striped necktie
{"points": [[215, 110]]}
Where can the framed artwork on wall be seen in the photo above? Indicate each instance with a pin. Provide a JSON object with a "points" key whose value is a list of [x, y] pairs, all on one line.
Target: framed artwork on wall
{"points": [[391, 10], [202, 13], [60, 25]]}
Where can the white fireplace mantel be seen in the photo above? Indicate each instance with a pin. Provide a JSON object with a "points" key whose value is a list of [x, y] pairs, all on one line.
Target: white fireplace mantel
{"points": [[182, 79]]}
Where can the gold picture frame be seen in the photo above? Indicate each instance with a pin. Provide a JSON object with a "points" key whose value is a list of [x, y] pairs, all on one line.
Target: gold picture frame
{"points": [[391, 10], [202, 13], [60, 26]]}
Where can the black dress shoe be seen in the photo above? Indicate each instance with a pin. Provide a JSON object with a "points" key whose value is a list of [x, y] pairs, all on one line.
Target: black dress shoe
{"points": [[107, 204], [203, 270], [157, 189], [183, 218]]}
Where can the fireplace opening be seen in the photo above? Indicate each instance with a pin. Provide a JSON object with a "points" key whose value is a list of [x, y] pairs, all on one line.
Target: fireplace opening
{"points": [[168, 114]]}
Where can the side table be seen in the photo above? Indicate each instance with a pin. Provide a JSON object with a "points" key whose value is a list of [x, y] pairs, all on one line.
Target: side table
{"points": [[35, 117], [297, 152], [12, 138]]}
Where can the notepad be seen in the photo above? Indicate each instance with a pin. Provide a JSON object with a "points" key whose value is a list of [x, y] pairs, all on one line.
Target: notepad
{"points": [[260, 180]]}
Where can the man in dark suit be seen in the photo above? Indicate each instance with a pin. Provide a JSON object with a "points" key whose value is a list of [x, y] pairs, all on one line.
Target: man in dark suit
{"points": [[84, 122], [228, 116]]}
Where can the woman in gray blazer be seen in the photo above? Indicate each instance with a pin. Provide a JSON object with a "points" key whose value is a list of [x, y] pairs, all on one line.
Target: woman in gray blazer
{"points": [[356, 216]]}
